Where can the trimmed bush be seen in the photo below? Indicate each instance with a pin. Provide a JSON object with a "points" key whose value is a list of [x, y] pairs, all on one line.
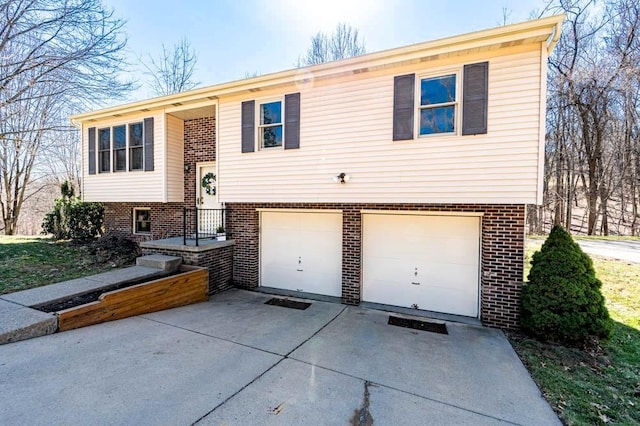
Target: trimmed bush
{"points": [[562, 301], [72, 218]]}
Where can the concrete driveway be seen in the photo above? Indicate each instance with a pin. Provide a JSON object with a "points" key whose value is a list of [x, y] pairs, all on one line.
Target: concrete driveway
{"points": [[628, 250], [236, 361]]}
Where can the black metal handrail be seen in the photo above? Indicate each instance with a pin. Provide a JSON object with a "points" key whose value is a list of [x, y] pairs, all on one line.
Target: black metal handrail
{"points": [[199, 224]]}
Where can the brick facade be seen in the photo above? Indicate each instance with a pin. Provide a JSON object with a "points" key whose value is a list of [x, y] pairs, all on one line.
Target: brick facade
{"points": [[166, 220], [199, 145], [502, 253]]}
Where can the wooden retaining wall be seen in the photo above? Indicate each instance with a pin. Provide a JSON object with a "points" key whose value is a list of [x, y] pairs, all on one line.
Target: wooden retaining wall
{"points": [[190, 286]]}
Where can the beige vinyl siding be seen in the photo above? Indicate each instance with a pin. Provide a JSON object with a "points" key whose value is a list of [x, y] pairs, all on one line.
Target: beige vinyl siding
{"points": [[175, 159], [346, 126], [136, 186]]}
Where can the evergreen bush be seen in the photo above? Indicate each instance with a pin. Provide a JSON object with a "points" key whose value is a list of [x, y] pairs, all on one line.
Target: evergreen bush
{"points": [[562, 301], [72, 218]]}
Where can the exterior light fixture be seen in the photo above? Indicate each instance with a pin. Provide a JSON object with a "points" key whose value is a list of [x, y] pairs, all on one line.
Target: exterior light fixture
{"points": [[342, 178], [187, 167]]}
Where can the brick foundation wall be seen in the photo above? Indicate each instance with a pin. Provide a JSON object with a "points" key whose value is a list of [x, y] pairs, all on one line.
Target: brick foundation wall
{"points": [[218, 260], [502, 253], [199, 145], [166, 220]]}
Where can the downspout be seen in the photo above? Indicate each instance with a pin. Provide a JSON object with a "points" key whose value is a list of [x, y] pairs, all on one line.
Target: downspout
{"points": [[554, 37]]}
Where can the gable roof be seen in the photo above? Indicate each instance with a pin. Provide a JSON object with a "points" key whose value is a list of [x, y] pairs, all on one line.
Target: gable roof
{"points": [[536, 31]]}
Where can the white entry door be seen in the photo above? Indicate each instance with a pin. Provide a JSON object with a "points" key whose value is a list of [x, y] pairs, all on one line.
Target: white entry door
{"points": [[424, 262], [301, 251], [207, 198]]}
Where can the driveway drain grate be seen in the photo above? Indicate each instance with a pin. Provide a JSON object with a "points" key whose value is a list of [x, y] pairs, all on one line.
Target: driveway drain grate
{"points": [[286, 303], [433, 327]]}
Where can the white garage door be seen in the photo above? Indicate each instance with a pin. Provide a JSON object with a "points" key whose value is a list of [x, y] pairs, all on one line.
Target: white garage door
{"points": [[301, 251], [424, 262]]}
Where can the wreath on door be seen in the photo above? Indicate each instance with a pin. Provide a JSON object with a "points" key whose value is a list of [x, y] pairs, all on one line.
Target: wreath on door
{"points": [[208, 183]]}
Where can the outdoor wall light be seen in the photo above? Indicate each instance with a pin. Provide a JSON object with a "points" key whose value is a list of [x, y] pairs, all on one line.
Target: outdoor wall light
{"points": [[187, 167], [342, 178]]}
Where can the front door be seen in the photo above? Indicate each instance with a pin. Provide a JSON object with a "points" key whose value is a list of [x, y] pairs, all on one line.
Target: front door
{"points": [[209, 215]]}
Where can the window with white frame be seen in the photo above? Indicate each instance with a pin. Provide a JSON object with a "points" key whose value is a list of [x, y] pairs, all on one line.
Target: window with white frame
{"points": [[438, 105], [270, 124], [125, 144], [119, 148], [104, 150], [141, 221], [136, 147]]}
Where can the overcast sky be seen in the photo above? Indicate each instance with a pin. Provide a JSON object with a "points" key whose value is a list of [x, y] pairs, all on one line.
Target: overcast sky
{"points": [[236, 37]]}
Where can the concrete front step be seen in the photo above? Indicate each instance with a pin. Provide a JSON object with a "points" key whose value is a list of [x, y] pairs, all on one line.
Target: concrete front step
{"points": [[160, 261]]}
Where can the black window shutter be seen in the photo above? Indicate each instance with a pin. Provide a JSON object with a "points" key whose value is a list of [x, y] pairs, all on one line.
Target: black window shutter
{"points": [[248, 126], [403, 106], [292, 121], [92, 150], [474, 98], [148, 144]]}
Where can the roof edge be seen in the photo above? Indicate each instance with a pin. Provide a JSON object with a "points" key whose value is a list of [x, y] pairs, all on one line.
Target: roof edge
{"points": [[551, 25]]}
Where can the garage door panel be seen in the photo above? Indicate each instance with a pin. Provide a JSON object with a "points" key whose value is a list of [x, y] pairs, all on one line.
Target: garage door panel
{"points": [[450, 252], [451, 301], [389, 270], [279, 222], [427, 261], [457, 278], [301, 251], [278, 277]]}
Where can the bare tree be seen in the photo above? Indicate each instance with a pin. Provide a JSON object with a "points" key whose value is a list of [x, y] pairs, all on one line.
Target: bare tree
{"points": [[54, 55], [344, 42], [172, 71], [592, 138]]}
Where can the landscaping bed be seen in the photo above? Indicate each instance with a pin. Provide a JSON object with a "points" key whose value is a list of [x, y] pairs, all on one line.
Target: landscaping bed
{"points": [[83, 299]]}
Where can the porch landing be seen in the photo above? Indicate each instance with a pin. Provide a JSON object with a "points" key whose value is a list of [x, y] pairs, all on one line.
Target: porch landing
{"points": [[177, 244]]}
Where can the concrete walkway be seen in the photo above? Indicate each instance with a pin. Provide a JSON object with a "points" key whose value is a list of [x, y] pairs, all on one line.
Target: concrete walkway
{"points": [[236, 361], [18, 321]]}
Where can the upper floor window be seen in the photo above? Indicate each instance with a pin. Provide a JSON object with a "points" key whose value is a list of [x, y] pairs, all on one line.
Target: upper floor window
{"points": [[125, 147], [119, 149], [136, 147], [438, 103], [270, 124], [104, 150]]}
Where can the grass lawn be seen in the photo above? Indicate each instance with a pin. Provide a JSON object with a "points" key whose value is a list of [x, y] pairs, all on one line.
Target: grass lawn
{"points": [[27, 262], [600, 385]]}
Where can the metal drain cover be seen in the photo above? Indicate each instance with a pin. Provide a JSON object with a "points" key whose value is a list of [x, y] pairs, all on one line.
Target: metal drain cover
{"points": [[433, 327], [286, 303]]}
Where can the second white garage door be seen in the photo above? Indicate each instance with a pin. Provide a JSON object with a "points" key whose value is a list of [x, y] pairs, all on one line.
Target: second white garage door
{"points": [[301, 251], [424, 262]]}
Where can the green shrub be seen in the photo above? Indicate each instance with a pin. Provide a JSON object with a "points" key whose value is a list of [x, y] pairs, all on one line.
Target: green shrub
{"points": [[562, 301], [72, 218]]}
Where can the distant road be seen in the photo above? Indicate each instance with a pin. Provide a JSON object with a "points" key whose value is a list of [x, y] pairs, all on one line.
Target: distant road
{"points": [[623, 250]]}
